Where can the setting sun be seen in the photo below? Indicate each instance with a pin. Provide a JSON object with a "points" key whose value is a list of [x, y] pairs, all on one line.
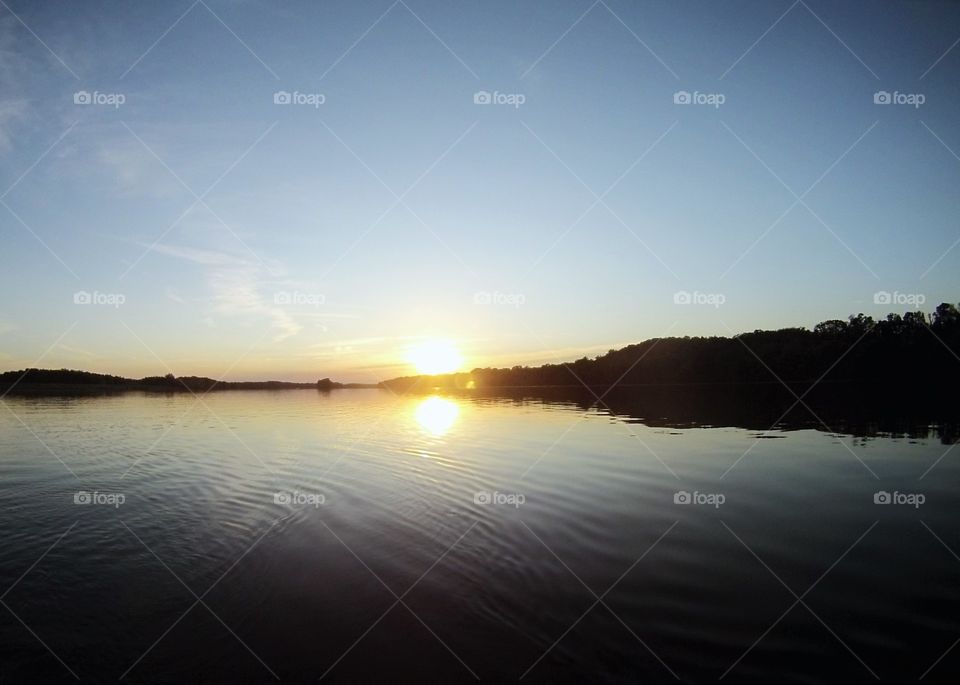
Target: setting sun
{"points": [[435, 356]]}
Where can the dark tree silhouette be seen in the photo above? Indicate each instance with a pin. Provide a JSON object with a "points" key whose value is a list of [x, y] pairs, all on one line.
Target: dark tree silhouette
{"points": [[897, 350]]}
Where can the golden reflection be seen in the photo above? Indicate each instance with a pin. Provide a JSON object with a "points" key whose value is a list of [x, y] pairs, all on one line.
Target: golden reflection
{"points": [[437, 415]]}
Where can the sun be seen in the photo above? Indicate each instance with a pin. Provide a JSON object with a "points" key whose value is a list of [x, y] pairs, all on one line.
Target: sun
{"points": [[435, 356]]}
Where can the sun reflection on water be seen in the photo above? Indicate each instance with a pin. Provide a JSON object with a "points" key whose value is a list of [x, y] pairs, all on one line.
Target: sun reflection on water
{"points": [[436, 415]]}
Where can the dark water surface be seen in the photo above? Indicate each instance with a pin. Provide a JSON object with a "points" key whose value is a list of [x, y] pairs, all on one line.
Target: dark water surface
{"points": [[359, 537]]}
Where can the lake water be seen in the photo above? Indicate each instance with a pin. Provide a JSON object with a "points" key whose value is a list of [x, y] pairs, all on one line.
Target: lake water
{"points": [[355, 536]]}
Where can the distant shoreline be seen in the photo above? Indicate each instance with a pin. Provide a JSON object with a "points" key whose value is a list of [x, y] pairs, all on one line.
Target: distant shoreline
{"points": [[66, 389], [73, 389], [49, 382], [48, 389], [915, 350]]}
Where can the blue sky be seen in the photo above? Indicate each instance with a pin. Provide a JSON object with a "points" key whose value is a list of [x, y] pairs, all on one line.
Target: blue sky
{"points": [[264, 240]]}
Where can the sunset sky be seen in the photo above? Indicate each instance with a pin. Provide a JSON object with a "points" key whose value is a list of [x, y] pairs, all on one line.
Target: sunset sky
{"points": [[218, 231]]}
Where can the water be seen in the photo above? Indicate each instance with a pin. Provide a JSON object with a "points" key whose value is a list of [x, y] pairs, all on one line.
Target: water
{"points": [[361, 537]]}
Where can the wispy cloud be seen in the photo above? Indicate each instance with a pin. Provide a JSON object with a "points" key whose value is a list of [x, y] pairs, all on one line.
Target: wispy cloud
{"points": [[238, 288], [76, 351], [198, 256]]}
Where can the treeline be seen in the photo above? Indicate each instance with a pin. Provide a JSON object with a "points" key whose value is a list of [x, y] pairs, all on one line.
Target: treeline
{"points": [[915, 348], [44, 381], [28, 377], [203, 384]]}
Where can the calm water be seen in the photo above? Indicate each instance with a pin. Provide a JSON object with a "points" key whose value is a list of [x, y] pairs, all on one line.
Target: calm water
{"points": [[359, 537]]}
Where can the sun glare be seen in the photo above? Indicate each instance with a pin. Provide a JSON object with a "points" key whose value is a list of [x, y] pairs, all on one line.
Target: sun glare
{"points": [[435, 356], [437, 415]]}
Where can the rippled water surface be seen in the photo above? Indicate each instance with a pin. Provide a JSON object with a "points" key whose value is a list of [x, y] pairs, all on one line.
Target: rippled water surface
{"points": [[361, 537]]}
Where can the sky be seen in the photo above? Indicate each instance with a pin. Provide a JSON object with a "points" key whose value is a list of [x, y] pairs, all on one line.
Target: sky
{"points": [[259, 190]]}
